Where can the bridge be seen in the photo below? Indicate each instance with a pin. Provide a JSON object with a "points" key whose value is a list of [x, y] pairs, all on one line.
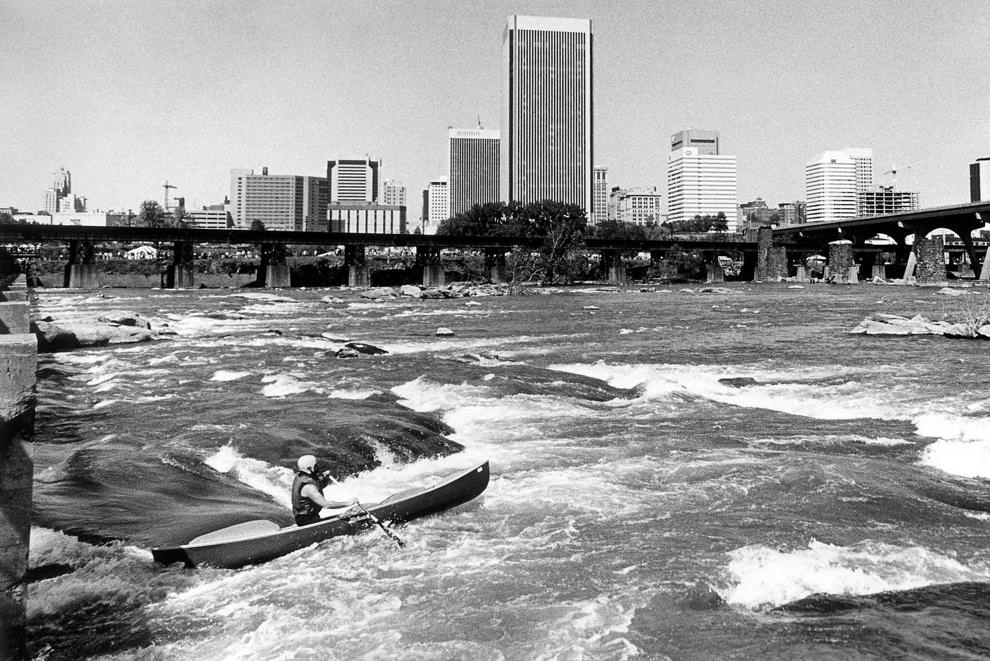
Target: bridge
{"points": [[81, 270], [857, 236]]}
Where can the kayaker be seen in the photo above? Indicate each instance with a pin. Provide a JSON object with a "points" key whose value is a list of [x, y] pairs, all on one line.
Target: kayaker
{"points": [[307, 493]]}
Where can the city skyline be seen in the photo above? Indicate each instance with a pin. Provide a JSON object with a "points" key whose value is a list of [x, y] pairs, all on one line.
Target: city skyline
{"points": [[127, 96]]}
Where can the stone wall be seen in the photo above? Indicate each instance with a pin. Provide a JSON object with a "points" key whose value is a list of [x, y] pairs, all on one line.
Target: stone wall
{"points": [[840, 261], [18, 367]]}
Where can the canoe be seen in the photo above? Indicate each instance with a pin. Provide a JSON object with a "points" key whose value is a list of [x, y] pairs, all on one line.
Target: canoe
{"points": [[258, 541]]}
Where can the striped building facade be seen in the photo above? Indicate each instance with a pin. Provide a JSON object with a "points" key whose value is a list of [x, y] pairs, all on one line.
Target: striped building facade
{"points": [[547, 111], [474, 156]]}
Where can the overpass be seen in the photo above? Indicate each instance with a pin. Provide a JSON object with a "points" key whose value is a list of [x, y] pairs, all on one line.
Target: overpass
{"points": [[80, 272], [924, 253]]}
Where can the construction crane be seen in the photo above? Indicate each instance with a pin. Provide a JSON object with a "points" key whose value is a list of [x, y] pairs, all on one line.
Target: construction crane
{"points": [[894, 169], [166, 186]]}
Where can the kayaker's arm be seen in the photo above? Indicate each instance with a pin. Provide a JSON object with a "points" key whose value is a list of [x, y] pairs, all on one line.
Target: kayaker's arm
{"points": [[310, 491]]}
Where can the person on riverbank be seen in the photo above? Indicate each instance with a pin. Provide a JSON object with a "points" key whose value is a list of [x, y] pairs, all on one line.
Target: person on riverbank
{"points": [[307, 493]]}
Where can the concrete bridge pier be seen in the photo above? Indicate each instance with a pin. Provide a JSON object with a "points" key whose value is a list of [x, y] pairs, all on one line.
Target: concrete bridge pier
{"points": [[771, 260], [495, 265], [842, 266], [930, 254], [614, 269], [985, 271], [18, 364], [182, 271], [714, 267], [80, 272], [429, 259], [273, 270], [358, 272]]}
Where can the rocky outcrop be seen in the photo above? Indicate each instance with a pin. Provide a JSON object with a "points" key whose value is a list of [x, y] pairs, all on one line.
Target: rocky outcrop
{"points": [[892, 324], [116, 328]]}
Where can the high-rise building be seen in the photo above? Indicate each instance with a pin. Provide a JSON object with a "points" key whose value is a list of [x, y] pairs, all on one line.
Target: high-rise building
{"points": [[353, 179], [473, 168], [700, 184], [547, 110], [281, 202], [439, 204], [600, 190], [884, 199], [705, 141], [863, 159], [394, 193], [830, 184], [979, 180], [62, 182], [638, 206]]}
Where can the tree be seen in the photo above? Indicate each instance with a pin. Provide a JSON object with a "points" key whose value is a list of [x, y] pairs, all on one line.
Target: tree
{"points": [[6, 218], [258, 226], [562, 227], [152, 214]]}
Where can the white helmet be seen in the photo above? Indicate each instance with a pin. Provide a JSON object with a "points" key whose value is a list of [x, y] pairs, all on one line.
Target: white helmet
{"points": [[306, 463]]}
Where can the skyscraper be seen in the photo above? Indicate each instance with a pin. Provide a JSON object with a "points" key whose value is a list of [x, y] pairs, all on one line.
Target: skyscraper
{"points": [[979, 180], [706, 142], [355, 179], [701, 181], [473, 168], [439, 204], [547, 110], [599, 203], [830, 184]]}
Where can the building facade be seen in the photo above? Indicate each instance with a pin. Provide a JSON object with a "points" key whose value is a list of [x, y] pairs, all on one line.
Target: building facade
{"points": [[367, 218], [353, 179], [438, 205], [600, 195], [700, 184], [547, 110], [281, 202], [830, 186], [214, 217], [792, 213], [979, 180], [705, 141], [394, 193], [473, 168], [639, 206]]}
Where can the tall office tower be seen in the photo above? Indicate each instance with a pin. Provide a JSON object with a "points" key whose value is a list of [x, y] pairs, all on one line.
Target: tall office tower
{"points": [[281, 202], [863, 158], [473, 160], [547, 110], [705, 141], [701, 184], [394, 193], [830, 184], [979, 180], [599, 201], [356, 179], [62, 182], [51, 201], [439, 204]]}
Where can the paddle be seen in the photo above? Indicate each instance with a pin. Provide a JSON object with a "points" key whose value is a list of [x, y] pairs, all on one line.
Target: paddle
{"points": [[388, 533]]}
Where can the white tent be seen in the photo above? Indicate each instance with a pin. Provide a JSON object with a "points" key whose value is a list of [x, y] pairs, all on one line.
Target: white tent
{"points": [[142, 252]]}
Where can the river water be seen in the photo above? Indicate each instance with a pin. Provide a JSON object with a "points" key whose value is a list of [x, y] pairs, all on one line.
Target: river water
{"points": [[829, 501]]}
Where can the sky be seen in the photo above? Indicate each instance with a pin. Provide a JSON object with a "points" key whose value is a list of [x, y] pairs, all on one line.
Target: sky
{"points": [[129, 94]]}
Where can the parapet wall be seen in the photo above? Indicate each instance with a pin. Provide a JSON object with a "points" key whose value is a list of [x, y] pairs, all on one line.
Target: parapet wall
{"points": [[18, 368]]}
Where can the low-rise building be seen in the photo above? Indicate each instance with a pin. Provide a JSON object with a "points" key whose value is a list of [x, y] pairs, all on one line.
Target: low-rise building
{"points": [[367, 218], [639, 206]]}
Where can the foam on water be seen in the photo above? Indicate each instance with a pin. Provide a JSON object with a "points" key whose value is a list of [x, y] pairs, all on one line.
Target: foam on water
{"points": [[794, 391], [963, 447], [229, 375], [759, 577], [283, 385]]}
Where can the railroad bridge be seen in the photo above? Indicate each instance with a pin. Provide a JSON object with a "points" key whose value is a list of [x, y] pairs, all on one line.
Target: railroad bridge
{"points": [[274, 271]]}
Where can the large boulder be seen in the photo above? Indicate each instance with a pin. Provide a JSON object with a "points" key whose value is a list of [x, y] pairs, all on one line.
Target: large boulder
{"points": [[64, 336]]}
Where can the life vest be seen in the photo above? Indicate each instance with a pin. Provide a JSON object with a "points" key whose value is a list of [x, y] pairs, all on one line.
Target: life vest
{"points": [[301, 505]]}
